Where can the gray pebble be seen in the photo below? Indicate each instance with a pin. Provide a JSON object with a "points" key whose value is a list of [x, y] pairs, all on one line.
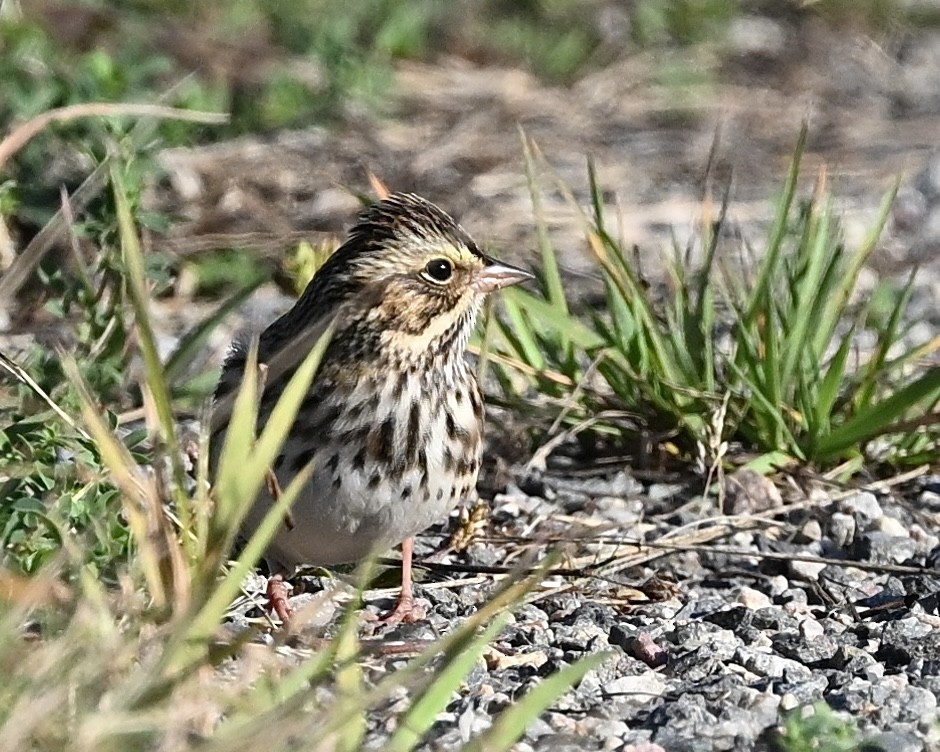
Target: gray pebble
{"points": [[882, 548], [863, 506], [842, 528], [893, 741]]}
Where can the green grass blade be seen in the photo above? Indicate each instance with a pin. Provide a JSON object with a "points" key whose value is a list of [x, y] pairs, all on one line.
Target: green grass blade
{"points": [[425, 708], [879, 419], [528, 348], [140, 297], [706, 276], [597, 200], [770, 265], [282, 417], [886, 340], [506, 596], [550, 274], [840, 297], [553, 324], [655, 345], [808, 298], [772, 432], [239, 437], [699, 321], [322, 730], [349, 683], [771, 372], [190, 643], [142, 508], [242, 470], [511, 724], [194, 340], [153, 369], [828, 391], [769, 462], [826, 314], [337, 658], [486, 340]]}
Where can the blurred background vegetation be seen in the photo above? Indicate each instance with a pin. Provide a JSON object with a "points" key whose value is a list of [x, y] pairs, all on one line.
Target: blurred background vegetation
{"points": [[292, 63], [329, 63]]}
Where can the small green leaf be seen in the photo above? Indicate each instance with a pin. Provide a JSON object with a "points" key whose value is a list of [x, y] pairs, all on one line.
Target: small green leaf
{"points": [[829, 387]]}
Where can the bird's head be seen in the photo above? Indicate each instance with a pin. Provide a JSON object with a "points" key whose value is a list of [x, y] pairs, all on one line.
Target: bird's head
{"points": [[420, 276]]}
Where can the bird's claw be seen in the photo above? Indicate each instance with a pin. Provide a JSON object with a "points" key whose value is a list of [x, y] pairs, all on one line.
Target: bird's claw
{"points": [[406, 611]]}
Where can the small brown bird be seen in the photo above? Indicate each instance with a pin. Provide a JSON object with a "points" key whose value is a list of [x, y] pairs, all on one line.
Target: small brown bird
{"points": [[394, 417]]}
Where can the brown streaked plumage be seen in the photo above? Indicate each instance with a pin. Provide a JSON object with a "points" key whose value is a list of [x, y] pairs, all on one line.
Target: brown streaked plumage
{"points": [[394, 417]]}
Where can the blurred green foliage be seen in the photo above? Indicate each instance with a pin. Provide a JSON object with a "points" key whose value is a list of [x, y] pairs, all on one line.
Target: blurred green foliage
{"points": [[45, 501], [278, 65], [819, 729], [271, 64], [683, 21]]}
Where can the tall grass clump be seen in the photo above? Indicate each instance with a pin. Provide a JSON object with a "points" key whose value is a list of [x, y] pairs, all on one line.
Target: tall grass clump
{"points": [[762, 353]]}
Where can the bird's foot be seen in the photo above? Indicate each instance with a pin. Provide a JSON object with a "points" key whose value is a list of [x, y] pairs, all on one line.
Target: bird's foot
{"points": [[406, 610], [277, 593]]}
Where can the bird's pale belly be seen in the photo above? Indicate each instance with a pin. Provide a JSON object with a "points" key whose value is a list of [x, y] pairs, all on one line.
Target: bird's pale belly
{"points": [[331, 525]]}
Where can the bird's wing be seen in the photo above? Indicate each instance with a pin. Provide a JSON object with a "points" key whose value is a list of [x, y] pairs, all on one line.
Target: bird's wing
{"points": [[284, 359]]}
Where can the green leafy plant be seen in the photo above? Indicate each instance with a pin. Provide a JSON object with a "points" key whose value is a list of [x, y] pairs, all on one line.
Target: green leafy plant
{"points": [[817, 729], [55, 483], [683, 21]]}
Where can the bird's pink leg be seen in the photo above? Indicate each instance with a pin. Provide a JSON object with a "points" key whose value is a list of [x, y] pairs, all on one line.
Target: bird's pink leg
{"points": [[406, 610], [277, 594]]}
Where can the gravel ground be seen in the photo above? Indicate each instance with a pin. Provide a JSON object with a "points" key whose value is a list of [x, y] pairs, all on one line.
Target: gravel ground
{"points": [[730, 613]]}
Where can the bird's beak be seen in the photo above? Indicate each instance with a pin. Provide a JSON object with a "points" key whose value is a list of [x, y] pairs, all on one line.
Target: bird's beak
{"points": [[496, 275]]}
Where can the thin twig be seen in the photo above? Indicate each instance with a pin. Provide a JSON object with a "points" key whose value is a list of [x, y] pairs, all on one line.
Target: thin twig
{"points": [[22, 267], [22, 134]]}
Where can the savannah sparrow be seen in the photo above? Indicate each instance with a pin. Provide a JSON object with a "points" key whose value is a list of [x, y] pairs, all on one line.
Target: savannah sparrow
{"points": [[394, 417]]}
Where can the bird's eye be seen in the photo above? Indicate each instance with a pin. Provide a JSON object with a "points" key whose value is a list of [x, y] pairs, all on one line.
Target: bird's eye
{"points": [[438, 270]]}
